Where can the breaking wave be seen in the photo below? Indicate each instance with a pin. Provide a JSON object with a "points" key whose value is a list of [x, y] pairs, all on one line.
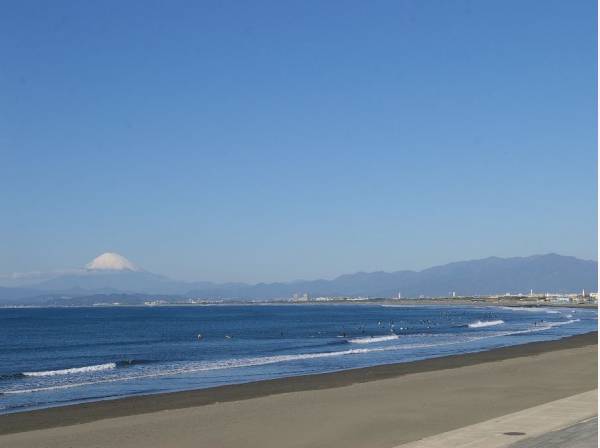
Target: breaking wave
{"points": [[372, 339], [73, 370], [190, 368], [486, 323], [531, 309], [76, 370]]}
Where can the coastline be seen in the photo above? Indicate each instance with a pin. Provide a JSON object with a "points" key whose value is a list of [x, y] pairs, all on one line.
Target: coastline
{"points": [[381, 302], [90, 412]]}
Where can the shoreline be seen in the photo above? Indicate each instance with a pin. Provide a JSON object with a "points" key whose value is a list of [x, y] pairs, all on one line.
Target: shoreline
{"points": [[381, 302], [89, 412]]}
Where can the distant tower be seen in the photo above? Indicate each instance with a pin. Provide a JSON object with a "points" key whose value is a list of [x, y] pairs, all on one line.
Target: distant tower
{"points": [[399, 295], [531, 293], [453, 293]]}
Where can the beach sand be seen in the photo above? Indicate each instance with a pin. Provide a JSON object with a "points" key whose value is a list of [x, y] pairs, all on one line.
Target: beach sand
{"points": [[381, 406]]}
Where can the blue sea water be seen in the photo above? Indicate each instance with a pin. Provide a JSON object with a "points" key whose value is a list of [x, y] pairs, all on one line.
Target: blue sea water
{"points": [[56, 356]]}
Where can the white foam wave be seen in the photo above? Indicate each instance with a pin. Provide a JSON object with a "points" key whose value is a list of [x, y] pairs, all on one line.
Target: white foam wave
{"points": [[372, 339], [487, 323], [108, 366], [249, 362], [536, 328], [225, 364], [566, 322], [530, 309]]}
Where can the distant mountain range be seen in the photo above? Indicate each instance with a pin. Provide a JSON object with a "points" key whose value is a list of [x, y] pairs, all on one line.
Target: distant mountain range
{"points": [[112, 275]]}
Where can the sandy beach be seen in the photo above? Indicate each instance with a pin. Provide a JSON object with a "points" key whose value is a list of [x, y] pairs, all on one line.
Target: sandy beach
{"points": [[382, 406]]}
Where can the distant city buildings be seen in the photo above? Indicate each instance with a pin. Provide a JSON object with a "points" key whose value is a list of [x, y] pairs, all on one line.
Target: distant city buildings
{"points": [[301, 298], [155, 302], [551, 298], [530, 297]]}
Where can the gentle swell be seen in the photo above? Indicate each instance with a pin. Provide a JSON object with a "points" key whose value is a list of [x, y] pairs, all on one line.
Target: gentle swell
{"points": [[248, 362], [530, 309], [107, 366], [373, 339], [487, 323], [225, 364]]}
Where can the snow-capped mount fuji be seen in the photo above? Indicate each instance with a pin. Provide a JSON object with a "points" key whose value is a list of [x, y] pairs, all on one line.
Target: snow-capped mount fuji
{"points": [[112, 272], [111, 261]]}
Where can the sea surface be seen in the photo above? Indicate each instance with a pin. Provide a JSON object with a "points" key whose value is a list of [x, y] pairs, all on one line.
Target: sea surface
{"points": [[57, 356]]}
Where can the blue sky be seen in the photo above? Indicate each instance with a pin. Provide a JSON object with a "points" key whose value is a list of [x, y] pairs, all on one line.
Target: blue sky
{"points": [[276, 140]]}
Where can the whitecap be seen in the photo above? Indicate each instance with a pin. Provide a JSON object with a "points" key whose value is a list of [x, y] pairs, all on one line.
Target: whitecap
{"points": [[372, 339], [487, 323], [73, 370]]}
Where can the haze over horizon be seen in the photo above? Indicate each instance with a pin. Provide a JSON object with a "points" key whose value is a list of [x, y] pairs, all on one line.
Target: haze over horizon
{"points": [[292, 224], [400, 136], [114, 262], [111, 273]]}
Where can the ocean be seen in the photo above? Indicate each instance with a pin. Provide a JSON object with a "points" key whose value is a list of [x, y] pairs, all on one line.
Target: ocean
{"points": [[58, 356]]}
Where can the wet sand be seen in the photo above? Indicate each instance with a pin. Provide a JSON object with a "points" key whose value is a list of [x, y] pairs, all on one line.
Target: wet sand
{"points": [[379, 406]]}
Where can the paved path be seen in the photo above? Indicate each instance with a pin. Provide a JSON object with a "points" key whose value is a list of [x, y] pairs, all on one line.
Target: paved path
{"points": [[505, 431], [581, 435]]}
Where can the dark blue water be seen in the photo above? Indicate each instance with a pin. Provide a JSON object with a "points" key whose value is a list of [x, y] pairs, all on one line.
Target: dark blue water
{"points": [[53, 356]]}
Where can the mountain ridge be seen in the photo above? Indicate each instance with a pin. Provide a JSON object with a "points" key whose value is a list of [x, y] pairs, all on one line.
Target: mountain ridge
{"points": [[492, 275]]}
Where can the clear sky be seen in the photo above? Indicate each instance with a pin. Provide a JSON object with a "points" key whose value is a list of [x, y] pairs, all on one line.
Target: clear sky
{"points": [[275, 140]]}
